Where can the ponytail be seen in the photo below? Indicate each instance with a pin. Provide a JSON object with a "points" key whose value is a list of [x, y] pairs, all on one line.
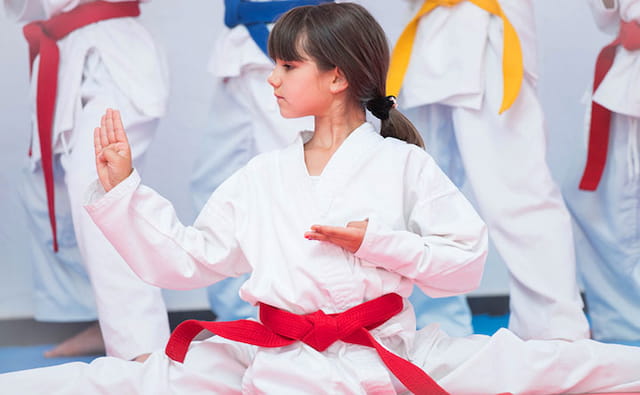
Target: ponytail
{"points": [[399, 126], [393, 123]]}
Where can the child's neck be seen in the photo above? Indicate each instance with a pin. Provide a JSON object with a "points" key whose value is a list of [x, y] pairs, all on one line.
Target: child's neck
{"points": [[329, 134]]}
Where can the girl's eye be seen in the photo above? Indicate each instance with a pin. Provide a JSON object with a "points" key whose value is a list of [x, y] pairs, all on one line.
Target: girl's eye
{"points": [[287, 66]]}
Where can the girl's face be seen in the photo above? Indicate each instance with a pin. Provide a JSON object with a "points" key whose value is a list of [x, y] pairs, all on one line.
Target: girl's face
{"points": [[301, 88]]}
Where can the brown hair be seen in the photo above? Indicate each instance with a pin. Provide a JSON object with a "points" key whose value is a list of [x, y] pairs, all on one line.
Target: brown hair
{"points": [[346, 36]]}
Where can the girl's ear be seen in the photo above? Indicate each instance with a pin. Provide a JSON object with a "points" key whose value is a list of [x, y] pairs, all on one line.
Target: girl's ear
{"points": [[339, 82]]}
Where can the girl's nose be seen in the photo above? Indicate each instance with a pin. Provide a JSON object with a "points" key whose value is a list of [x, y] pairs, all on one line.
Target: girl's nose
{"points": [[272, 80]]}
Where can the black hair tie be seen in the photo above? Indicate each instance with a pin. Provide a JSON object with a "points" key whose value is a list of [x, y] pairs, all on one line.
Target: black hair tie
{"points": [[380, 106]]}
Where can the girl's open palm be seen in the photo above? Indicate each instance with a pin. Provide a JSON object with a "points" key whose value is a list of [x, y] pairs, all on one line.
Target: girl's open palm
{"points": [[349, 237], [113, 153]]}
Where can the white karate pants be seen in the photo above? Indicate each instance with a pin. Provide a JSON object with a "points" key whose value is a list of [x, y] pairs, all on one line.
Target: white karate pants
{"points": [[472, 365], [607, 226], [132, 314], [503, 160]]}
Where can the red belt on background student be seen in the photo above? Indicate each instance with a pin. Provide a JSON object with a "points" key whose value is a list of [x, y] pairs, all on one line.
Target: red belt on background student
{"points": [[629, 38], [279, 328], [42, 37]]}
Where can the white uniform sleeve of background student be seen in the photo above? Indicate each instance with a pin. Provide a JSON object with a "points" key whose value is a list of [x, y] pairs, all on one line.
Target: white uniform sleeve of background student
{"points": [[147, 84]]}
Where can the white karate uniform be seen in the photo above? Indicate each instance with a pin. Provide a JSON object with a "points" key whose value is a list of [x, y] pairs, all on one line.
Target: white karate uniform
{"points": [[607, 219], [421, 231], [245, 121], [452, 93], [113, 63]]}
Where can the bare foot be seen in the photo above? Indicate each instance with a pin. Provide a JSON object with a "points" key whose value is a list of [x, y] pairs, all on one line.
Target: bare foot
{"points": [[87, 342]]}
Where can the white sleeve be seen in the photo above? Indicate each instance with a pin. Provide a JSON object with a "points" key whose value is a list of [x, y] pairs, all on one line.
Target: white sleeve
{"points": [[144, 228], [445, 246], [607, 18]]}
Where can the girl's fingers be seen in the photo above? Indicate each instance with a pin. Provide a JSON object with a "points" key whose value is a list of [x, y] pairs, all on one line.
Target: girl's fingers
{"points": [[120, 148], [111, 155], [111, 134], [96, 140], [335, 232], [315, 236], [104, 139], [120, 135]]}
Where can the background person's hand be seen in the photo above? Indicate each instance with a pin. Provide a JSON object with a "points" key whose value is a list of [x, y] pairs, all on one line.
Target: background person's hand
{"points": [[113, 153], [349, 237]]}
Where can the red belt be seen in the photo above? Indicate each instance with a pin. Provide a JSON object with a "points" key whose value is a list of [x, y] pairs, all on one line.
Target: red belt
{"points": [[280, 328], [42, 37], [629, 38]]}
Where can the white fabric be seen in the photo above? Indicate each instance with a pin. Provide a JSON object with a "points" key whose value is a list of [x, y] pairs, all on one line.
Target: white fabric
{"points": [[473, 365], [618, 90], [608, 243], [108, 64], [244, 120], [146, 84], [456, 75], [272, 197], [503, 159], [61, 286], [123, 300], [607, 219], [421, 229], [452, 313]]}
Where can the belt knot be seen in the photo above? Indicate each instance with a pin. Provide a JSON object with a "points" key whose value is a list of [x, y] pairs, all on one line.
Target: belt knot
{"points": [[324, 330]]}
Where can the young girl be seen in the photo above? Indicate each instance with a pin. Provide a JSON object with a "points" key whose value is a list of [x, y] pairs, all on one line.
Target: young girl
{"points": [[332, 298]]}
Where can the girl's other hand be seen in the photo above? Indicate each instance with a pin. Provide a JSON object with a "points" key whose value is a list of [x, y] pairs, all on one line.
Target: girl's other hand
{"points": [[113, 153], [349, 237]]}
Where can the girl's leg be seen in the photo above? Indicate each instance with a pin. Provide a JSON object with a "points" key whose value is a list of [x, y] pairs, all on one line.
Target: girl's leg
{"points": [[504, 363], [212, 367]]}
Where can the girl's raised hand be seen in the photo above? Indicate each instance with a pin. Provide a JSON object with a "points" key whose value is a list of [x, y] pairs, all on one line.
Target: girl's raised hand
{"points": [[113, 153], [349, 237]]}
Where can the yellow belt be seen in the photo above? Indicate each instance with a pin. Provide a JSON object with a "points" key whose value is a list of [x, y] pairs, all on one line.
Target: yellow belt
{"points": [[512, 67]]}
